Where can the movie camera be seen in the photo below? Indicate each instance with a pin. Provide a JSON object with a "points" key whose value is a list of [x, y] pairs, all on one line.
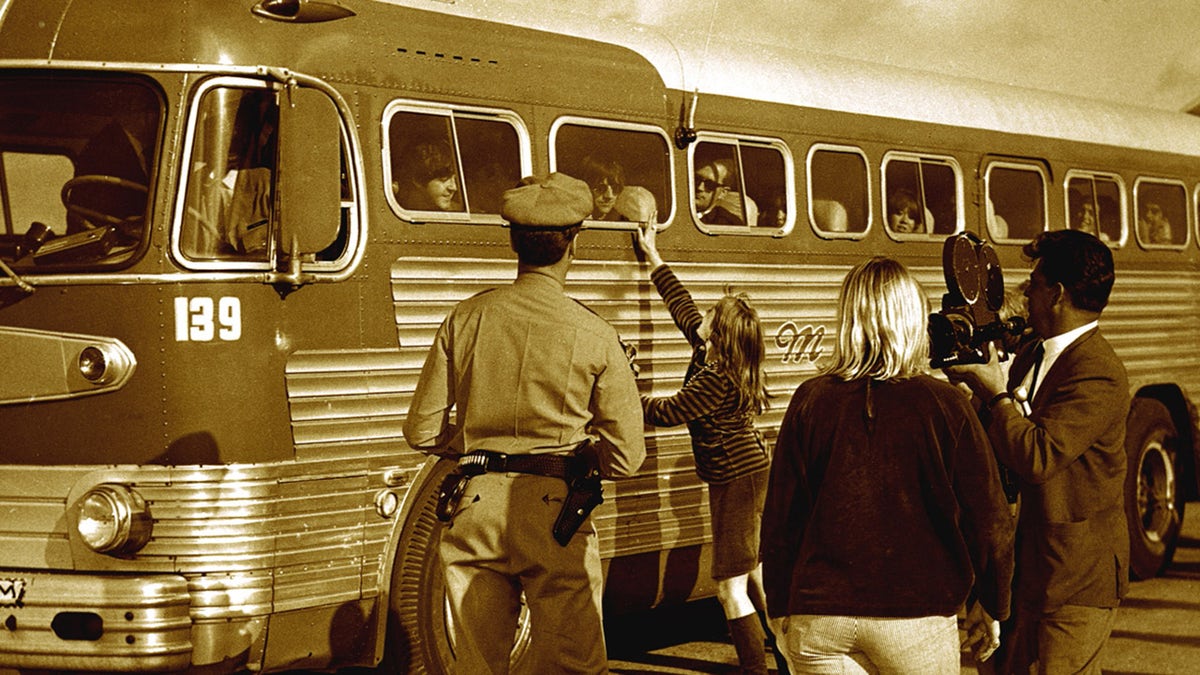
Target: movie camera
{"points": [[970, 313]]}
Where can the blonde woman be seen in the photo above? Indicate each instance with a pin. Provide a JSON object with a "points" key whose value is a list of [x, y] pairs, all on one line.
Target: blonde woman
{"points": [[884, 509]]}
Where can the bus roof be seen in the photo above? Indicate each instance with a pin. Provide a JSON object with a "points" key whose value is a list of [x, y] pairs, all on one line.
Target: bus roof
{"points": [[708, 63]]}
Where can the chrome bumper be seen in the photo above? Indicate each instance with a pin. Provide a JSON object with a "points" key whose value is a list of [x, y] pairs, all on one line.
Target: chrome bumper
{"points": [[89, 622]]}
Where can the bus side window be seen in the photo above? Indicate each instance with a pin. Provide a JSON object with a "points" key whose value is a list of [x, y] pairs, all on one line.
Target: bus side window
{"points": [[1094, 205], [451, 165], [838, 191], [1016, 201], [229, 201], [1161, 207], [739, 185], [921, 196], [610, 157]]}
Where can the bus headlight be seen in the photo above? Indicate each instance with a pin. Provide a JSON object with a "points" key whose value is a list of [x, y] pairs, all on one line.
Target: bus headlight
{"points": [[113, 519]]}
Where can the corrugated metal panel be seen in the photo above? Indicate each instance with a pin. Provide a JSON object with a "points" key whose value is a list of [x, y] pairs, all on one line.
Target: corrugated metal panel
{"points": [[1153, 323], [665, 505]]}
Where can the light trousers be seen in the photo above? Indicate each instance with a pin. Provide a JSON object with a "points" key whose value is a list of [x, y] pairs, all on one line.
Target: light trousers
{"points": [[498, 544], [854, 644]]}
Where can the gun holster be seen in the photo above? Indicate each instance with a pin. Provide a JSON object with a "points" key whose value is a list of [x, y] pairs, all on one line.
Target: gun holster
{"points": [[584, 493], [451, 490]]}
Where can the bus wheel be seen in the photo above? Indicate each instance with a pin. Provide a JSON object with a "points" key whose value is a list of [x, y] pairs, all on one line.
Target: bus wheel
{"points": [[420, 627], [1153, 505]]}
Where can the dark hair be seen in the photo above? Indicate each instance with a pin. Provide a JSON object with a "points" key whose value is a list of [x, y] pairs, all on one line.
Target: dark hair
{"points": [[425, 161], [904, 200], [1077, 260], [595, 169], [541, 247]]}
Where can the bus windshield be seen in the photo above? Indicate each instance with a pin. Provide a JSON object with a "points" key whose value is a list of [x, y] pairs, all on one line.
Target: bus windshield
{"points": [[77, 154]]}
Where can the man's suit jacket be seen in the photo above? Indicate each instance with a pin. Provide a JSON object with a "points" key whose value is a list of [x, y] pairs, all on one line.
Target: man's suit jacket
{"points": [[1069, 459]]}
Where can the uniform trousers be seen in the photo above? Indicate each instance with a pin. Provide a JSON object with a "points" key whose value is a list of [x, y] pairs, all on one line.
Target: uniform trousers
{"points": [[498, 544]]}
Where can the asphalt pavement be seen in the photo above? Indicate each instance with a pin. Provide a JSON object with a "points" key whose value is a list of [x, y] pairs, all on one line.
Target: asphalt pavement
{"points": [[1157, 630]]}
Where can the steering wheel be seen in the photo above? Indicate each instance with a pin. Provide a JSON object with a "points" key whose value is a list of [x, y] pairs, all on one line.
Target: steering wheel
{"points": [[93, 217]]}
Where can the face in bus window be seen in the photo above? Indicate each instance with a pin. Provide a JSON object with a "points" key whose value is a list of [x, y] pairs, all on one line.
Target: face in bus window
{"points": [[604, 197], [1083, 211], [428, 180], [606, 177], [706, 187], [904, 213], [1156, 228]]}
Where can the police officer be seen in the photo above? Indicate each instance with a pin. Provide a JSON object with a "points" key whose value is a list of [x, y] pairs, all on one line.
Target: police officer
{"points": [[534, 374]]}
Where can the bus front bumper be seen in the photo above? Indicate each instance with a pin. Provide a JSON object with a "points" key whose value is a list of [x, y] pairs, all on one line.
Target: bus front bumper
{"points": [[89, 622]]}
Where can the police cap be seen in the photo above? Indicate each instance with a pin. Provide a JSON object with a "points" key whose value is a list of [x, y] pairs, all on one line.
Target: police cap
{"points": [[550, 202]]}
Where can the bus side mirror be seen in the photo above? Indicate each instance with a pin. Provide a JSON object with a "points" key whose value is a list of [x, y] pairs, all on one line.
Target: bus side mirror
{"points": [[309, 172]]}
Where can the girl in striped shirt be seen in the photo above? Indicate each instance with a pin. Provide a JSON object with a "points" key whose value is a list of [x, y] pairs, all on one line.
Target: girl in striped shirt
{"points": [[723, 391]]}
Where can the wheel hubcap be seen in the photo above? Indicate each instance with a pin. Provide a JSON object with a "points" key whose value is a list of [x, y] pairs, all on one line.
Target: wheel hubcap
{"points": [[1156, 492]]}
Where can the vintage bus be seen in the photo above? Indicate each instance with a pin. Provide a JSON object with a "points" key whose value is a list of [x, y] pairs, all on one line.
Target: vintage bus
{"points": [[230, 230]]}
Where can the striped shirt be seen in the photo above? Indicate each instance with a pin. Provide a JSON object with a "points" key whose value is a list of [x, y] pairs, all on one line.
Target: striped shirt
{"points": [[724, 441]]}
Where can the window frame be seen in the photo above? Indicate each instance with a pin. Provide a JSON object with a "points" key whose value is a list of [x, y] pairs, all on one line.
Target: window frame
{"points": [[351, 205], [808, 182], [664, 219], [449, 111], [1093, 175], [960, 211], [736, 140], [1188, 213], [987, 196], [185, 179]]}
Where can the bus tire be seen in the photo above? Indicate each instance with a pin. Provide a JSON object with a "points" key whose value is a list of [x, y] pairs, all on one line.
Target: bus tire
{"points": [[1153, 503], [419, 627]]}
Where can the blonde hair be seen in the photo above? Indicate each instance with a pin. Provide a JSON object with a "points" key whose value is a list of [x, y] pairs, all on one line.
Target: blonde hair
{"points": [[883, 316], [737, 345]]}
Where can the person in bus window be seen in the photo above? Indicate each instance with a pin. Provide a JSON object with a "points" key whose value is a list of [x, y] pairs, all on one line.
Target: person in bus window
{"points": [[428, 180], [229, 209], [1083, 212], [775, 215], [724, 389], [905, 215], [606, 178], [1154, 225], [717, 202], [518, 380]]}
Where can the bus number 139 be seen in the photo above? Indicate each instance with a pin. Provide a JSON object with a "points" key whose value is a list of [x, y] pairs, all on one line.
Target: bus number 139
{"points": [[203, 320]]}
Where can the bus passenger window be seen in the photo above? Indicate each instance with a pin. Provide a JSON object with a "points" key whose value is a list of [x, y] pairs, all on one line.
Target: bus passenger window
{"points": [[1094, 206], [1161, 213], [1016, 201], [717, 191], [740, 185], [838, 191], [921, 195], [611, 157], [451, 164], [229, 202]]}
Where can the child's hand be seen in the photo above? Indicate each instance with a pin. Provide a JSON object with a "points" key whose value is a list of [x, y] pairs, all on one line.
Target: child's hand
{"points": [[647, 239]]}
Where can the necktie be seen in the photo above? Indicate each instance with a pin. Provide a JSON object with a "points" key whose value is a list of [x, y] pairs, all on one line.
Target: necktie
{"points": [[1038, 352]]}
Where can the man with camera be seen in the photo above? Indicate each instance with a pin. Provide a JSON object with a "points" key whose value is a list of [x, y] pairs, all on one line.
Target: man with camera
{"points": [[1058, 425], [534, 376]]}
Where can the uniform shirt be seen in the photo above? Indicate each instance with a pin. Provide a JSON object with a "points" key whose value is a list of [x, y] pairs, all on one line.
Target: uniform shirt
{"points": [[530, 371], [724, 441]]}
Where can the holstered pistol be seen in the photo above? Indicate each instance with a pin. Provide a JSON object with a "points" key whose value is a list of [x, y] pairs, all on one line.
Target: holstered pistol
{"points": [[584, 493]]}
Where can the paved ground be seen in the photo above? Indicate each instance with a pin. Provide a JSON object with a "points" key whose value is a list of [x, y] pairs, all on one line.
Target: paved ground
{"points": [[1157, 630]]}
